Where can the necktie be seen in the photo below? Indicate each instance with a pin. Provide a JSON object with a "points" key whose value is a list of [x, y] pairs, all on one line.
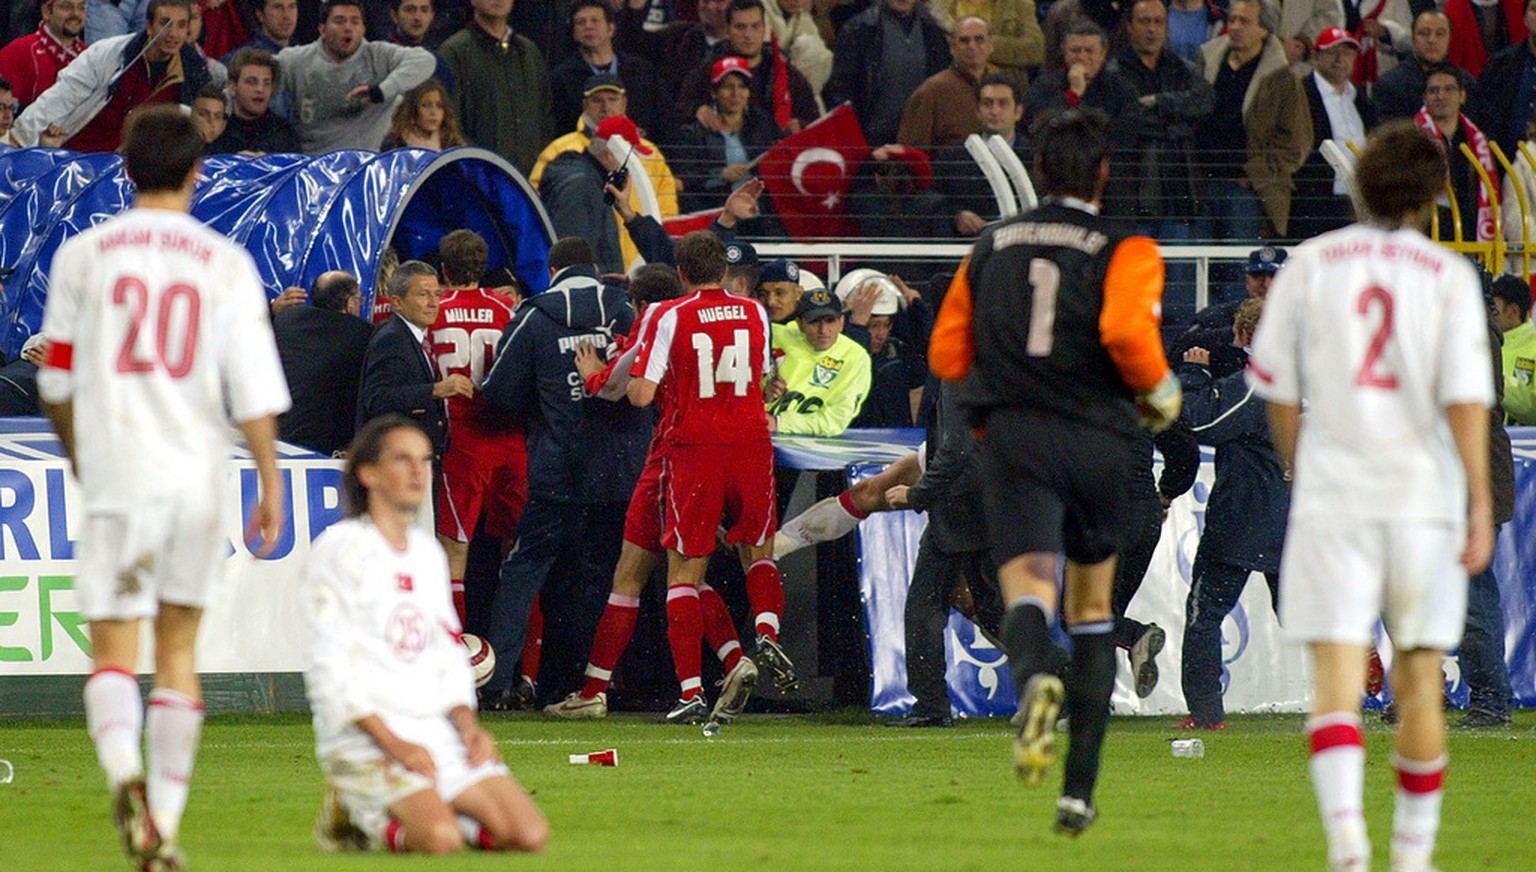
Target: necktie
{"points": [[426, 349]]}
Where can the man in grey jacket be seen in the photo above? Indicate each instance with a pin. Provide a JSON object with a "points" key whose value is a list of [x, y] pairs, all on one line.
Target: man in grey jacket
{"points": [[343, 88]]}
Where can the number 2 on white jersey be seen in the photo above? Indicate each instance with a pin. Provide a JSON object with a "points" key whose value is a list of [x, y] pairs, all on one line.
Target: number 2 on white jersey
{"points": [[732, 369], [1371, 374]]}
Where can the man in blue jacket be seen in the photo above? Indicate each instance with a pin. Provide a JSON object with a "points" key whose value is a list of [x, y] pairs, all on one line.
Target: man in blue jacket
{"points": [[1244, 517], [584, 456]]}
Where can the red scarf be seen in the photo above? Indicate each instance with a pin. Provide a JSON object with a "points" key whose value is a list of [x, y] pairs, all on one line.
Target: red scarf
{"points": [[1467, 49], [783, 106], [1368, 64], [1479, 143], [60, 53]]}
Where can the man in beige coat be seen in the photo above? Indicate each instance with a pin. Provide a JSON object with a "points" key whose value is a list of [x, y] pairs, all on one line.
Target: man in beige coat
{"points": [[1276, 125]]}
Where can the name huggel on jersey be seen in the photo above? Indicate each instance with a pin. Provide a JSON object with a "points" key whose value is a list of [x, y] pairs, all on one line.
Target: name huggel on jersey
{"points": [[714, 346], [156, 326]]}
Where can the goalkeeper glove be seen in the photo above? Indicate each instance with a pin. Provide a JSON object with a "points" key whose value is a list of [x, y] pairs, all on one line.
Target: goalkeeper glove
{"points": [[1158, 407]]}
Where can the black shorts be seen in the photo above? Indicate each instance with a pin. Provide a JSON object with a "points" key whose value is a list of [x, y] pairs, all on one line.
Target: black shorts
{"points": [[1055, 485]]}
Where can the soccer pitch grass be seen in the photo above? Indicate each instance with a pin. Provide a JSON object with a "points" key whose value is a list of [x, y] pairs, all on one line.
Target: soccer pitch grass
{"points": [[797, 793]]}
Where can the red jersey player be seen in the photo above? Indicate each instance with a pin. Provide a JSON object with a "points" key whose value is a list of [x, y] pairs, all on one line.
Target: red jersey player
{"points": [[712, 349], [486, 465]]}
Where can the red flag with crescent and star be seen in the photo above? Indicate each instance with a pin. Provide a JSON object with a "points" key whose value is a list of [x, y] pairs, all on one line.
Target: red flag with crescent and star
{"points": [[807, 175]]}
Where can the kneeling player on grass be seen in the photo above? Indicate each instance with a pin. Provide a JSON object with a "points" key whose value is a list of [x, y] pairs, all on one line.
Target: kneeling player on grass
{"points": [[408, 766], [1381, 335]]}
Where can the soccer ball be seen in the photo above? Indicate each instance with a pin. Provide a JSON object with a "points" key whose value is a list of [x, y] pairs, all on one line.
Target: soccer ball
{"points": [[481, 658]]}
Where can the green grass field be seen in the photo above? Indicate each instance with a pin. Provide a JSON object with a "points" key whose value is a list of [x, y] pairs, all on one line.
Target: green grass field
{"points": [[828, 792]]}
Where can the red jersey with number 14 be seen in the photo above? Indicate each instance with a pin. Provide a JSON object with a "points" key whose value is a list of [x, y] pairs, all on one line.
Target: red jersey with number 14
{"points": [[714, 347], [469, 325]]}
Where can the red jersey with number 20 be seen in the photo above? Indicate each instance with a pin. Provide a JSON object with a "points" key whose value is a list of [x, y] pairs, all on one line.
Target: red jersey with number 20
{"points": [[464, 336], [714, 347]]}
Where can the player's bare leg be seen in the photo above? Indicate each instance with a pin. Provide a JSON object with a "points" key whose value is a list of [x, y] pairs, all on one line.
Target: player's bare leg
{"points": [[835, 517], [1338, 751], [685, 632], [1028, 582], [765, 593], [174, 723], [1089, 613], [114, 717], [496, 814], [423, 824], [614, 631], [1419, 759]]}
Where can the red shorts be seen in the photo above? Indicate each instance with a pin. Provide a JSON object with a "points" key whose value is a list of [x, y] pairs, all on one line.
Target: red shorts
{"points": [[705, 485], [642, 522], [489, 473]]}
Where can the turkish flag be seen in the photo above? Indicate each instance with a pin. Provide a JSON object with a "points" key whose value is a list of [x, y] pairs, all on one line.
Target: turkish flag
{"points": [[807, 175], [679, 225]]}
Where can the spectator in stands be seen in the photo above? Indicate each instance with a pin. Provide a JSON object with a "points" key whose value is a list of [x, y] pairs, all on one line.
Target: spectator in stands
{"points": [[1302, 20], [676, 47], [605, 97], [410, 21], [1506, 89], [1018, 45], [503, 85], [343, 87], [399, 372], [823, 376], [276, 23], [715, 157], [572, 187], [1445, 93], [322, 346], [197, 35], [1174, 99], [1087, 81], [777, 87], [967, 194], [7, 108], [1479, 30], [1342, 112], [108, 18], [593, 29], [86, 107], [254, 127], [211, 114], [1400, 91], [882, 55], [424, 119], [1248, 167], [942, 111], [1512, 314], [1191, 24], [898, 363], [32, 62], [793, 24]]}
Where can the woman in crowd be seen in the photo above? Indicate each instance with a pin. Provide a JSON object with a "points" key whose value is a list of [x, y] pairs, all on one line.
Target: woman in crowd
{"points": [[424, 119], [713, 162]]}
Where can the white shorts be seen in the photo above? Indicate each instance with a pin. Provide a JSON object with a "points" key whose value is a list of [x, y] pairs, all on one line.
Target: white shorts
{"points": [[368, 784], [1336, 579], [167, 550]]}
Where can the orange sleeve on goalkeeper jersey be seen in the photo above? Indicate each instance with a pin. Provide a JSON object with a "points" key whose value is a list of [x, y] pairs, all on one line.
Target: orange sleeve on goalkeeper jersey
{"points": [[952, 345], [1132, 313]]}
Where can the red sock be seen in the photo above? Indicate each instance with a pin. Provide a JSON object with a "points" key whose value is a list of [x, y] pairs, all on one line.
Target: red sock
{"points": [[719, 629], [613, 635], [533, 642], [456, 587], [686, 633], [394, 837], [765, 591], [845, 499]]}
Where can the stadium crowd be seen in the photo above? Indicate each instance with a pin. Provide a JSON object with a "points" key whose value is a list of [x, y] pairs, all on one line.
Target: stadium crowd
{"points": [[1218, 112]]}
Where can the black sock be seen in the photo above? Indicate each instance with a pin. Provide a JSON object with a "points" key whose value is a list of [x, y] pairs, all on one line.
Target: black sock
{"points": [[1089, 686], [1026, 638]]}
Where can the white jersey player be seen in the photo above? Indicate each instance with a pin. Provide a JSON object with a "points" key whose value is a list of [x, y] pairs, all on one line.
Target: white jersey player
{"points": [[158, 334], [407, 764], [1373, 354]]}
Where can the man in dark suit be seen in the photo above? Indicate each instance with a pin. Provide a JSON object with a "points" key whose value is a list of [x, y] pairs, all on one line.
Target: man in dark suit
{"points": [[1340, 111], [400, 371], [322, 347]]}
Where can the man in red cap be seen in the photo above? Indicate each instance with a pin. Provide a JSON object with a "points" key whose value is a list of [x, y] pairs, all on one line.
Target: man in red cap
{"points": [[572, 189], [1341, 112]]}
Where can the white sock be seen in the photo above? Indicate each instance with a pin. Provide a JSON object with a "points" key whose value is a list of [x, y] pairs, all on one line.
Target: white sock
{"points": [[173, 724], [1416, 817], [475, 835], [823, 522], [114, 716], [1338, 776]]}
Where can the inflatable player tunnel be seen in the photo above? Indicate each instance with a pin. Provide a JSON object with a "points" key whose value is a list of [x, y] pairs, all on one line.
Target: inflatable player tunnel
{"points": [[298, 215]]}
